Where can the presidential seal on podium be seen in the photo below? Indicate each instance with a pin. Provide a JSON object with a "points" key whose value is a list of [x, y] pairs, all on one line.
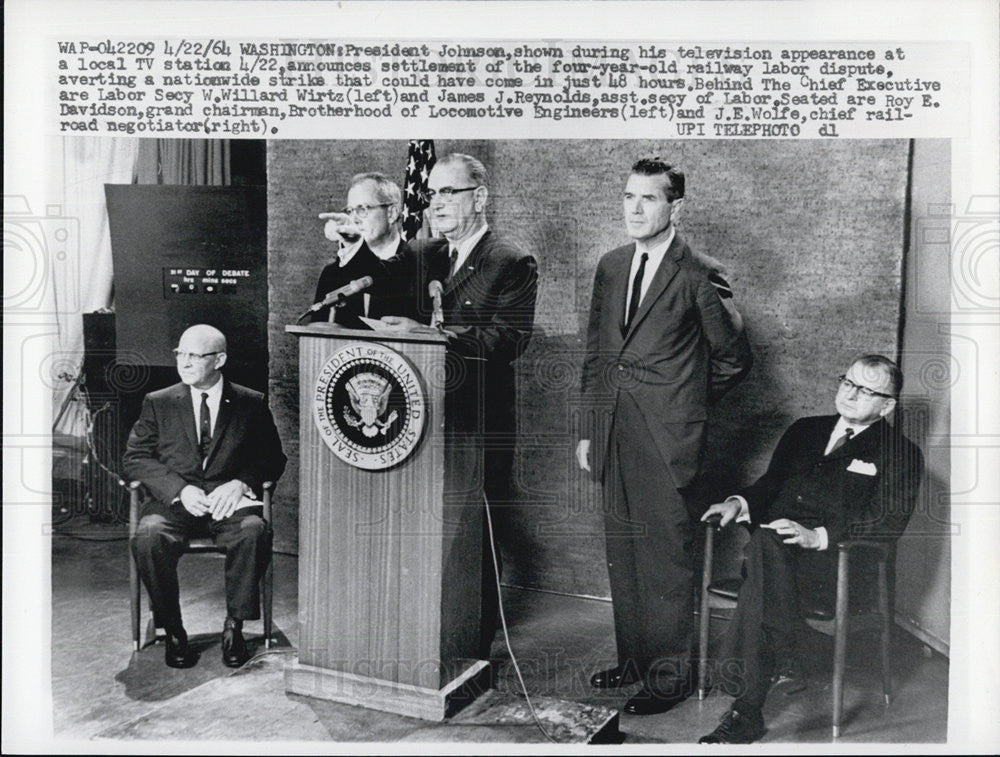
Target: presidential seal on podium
{"points": [[369, 406]]}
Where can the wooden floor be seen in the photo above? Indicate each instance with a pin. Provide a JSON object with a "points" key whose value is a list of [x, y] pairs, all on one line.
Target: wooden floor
{"points": [[100, 688]]}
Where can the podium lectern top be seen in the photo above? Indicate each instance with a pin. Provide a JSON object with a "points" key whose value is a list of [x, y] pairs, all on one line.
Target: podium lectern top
{"points": [[431, 336]]}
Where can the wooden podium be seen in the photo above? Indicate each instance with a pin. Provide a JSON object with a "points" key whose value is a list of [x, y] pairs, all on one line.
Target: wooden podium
{"points": [[390, 526]]}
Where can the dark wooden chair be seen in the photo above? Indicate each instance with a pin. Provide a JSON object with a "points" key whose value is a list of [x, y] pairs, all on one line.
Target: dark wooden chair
{"points": [[837, 623], [195, 546]]}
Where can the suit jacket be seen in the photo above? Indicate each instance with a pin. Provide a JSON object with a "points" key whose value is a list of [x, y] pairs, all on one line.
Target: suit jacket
{"points": [[393, 292], [490, 305], [686, 347], [162, 449], [865, 489]]}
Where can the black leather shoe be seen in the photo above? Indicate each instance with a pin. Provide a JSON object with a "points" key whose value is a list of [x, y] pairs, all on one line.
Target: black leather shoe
{"points": [[788, 678], [177, 653], [668, 695], [736, 728], [234, 648], [614, 677]]}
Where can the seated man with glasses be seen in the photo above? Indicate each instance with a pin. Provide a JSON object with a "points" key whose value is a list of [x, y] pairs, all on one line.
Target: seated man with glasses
{"points": [[367, 231], [203, 448], [831, 478]]}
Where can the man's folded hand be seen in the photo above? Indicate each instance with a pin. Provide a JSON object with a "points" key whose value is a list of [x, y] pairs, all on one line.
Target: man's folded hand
{"points": [[194, 500], [224, 499]]}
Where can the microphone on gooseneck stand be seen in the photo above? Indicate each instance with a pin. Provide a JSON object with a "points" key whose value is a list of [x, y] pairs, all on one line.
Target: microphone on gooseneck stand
{"points": [[338, 297]]}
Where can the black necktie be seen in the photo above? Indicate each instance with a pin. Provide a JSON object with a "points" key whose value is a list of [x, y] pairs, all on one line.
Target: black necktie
{"points": [[633, 303], [841, 441], [452, 259], [205, 426]]}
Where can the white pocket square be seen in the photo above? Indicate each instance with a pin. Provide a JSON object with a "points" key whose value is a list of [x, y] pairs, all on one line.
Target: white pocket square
{"points": [[860, 466]]}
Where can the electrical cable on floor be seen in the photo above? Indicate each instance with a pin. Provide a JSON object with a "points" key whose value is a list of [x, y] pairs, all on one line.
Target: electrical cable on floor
{"points": [[503, 624], [262, 653], [91, 418], [79, 388]]}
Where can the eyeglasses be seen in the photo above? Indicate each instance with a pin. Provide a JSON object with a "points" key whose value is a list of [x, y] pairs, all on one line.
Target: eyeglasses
{"points": [[446, 194], [361, 211], [846, 384], [181, 355]]}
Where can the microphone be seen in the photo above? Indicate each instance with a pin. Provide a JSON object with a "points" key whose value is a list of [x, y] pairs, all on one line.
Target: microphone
{"points": [[337, 297], [435, 290]]}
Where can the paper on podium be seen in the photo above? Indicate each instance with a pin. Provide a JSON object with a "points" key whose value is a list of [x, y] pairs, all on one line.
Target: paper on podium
{"points": [[380, 325], [376, 324]]}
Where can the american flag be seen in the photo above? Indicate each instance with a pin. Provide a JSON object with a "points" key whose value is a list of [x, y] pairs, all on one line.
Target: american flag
{"points": [[419, 163]]}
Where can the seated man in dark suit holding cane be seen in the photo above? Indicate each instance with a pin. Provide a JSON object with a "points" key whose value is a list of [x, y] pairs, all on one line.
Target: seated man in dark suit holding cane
{"points": [[203, 448], [831, 478]]}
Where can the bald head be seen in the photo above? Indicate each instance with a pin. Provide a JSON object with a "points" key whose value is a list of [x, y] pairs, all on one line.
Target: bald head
{"points": [[201, 353], [206, 336]]}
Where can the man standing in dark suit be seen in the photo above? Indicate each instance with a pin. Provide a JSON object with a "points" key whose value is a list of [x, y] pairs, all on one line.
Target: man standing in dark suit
{"points": [[831, 478], [664, 342], [367, 231], [488, 302], [203, 448]]}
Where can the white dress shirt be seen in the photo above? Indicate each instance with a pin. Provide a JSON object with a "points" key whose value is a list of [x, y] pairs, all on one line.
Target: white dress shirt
{"points": [[214, 400], [465, 247], [655, 257], [344, 254], [839, 430]]}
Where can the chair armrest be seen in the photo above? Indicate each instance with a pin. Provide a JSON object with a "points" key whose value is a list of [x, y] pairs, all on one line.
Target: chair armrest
{"points": [[711, 526], [876, 549], [268, 487], [134, 488], [880, 549]]}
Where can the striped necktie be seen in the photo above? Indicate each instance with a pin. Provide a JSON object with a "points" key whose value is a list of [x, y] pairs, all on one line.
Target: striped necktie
{"points": [[205, 427], [841, 441]]}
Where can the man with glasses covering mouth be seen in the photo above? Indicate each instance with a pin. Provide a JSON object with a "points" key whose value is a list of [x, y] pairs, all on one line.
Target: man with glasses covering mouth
{"points": [[203, 448], [367, 232], [831, 478], [488, 302]]}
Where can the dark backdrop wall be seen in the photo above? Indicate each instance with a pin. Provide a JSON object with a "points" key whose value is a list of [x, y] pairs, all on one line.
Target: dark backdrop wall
{"points": [[811, 232]]}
